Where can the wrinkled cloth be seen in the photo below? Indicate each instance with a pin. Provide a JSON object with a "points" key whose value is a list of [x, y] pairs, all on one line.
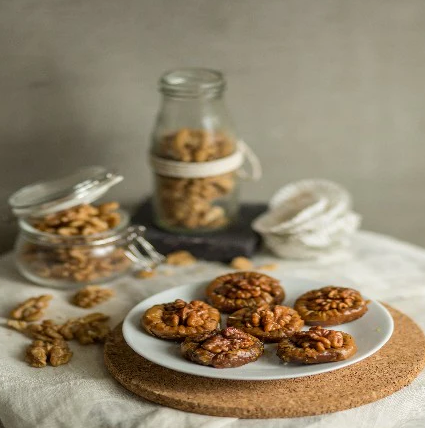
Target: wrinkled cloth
{"points": [[83, 394]]}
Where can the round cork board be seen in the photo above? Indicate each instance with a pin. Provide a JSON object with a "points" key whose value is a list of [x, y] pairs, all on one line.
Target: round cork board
{"points": [[390, 369]]}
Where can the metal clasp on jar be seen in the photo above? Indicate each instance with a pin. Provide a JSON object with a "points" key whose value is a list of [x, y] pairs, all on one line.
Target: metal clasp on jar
{"points": [[140, 251]]}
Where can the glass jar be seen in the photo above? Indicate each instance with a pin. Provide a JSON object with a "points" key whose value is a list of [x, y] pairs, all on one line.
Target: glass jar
{"points": [[194, 154], [68, 260]]}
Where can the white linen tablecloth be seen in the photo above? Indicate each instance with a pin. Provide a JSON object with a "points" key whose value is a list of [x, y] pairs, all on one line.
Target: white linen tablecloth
{"points": [[83, 394]]}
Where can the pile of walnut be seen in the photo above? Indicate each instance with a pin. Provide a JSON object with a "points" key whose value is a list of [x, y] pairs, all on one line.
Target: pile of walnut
{"points": [[74, 260], [50, 339], [191, 202]]}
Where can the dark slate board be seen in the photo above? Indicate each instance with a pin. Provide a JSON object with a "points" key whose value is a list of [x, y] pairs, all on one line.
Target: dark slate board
{"points": [[238, 240]]}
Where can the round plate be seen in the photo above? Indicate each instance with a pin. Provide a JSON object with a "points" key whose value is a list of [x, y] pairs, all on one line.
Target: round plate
{"points": [[370, 332]]}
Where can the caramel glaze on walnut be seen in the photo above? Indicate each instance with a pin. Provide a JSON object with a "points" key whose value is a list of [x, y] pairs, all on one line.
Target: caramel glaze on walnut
{"points": [[238, 290], [268, 323], [178, 320], [227, 348], [317, 345], [330, 306]]}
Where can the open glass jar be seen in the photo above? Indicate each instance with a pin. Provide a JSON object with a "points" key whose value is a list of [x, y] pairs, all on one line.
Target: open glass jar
{"points": [[194, 154], [66, 242]]}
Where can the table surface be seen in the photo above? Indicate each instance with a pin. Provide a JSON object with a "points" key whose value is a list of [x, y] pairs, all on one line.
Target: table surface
{"points": [[83, 394]]}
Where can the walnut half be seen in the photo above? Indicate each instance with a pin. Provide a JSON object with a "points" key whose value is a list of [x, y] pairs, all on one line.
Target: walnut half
{"points": [[39, 353], [32, 309]]}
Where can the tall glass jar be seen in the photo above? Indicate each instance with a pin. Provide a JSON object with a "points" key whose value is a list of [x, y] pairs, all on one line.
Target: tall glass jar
{"points": [[194, 154]]}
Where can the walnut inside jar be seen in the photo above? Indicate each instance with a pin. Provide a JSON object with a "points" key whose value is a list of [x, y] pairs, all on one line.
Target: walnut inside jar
{"points": [[179, 319], [68, 251], [316, 345], [330, 306], [227, 348], [195, 203], [268, 323], [238, 290]]}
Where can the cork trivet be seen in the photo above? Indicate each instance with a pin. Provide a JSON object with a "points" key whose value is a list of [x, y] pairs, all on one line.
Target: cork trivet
{"points": [[382, 374]]}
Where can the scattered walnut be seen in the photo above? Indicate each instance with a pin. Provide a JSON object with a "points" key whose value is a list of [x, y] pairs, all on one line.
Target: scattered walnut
{"points": [[316, 345], [241, 263], [144, 274], [191, 203], [330, 306], [17, 325], [92, 295], [180, 258], [244, 289], [177, 320], [39, 353], [32, 309], [269, 266], [88, 329]]}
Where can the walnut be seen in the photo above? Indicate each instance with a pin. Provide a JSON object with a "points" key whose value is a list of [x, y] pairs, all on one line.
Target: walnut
{"points": [[241, 263], [180, 258], [92, 295], [227, 348], [269, 266], [145, 274], [268, 323], [179, 319], [88, 329], [190, 203], [17, 325], [331, 306], [39, 353], [32, 309], [316, 345], [237, 290]]}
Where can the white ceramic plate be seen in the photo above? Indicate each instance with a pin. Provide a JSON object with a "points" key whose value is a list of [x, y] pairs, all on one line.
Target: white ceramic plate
{"points": [[370, 332]]}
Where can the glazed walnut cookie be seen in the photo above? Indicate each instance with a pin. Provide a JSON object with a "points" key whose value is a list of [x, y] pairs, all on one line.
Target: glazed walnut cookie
{"points": [[227, 348], [268, 323], [330, 306], [317, 345], [238, 290], [178, 320]]}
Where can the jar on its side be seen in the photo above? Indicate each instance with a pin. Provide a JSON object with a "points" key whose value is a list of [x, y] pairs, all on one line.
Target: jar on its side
{"points": [[67, 261], [194, 154]]}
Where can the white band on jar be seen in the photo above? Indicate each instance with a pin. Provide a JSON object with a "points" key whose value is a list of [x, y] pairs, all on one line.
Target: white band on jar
{"points": [[233, 162]]}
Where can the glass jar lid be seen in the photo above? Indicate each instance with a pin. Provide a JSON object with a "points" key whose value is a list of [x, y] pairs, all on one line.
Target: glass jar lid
{"points": [[46, 197]]}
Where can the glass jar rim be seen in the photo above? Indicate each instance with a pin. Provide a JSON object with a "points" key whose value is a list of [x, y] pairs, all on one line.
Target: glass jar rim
{"points": [[105, 237], [192, 83]]}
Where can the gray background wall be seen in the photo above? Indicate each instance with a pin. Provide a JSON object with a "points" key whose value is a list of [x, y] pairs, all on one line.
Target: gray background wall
{"points": [[319, 88]]}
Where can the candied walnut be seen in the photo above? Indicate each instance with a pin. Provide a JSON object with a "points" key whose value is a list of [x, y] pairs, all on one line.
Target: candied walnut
{"points": [[32, 309], [145, 274], [179, 319], [39, 353], [268, 323], [330, 306], [92, 295], [227, 348], [234, 291], [316, 345], [241, 263], [180, 258]]}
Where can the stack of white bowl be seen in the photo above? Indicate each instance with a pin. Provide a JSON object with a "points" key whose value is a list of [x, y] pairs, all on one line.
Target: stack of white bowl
{"points": [[309, 219]]}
